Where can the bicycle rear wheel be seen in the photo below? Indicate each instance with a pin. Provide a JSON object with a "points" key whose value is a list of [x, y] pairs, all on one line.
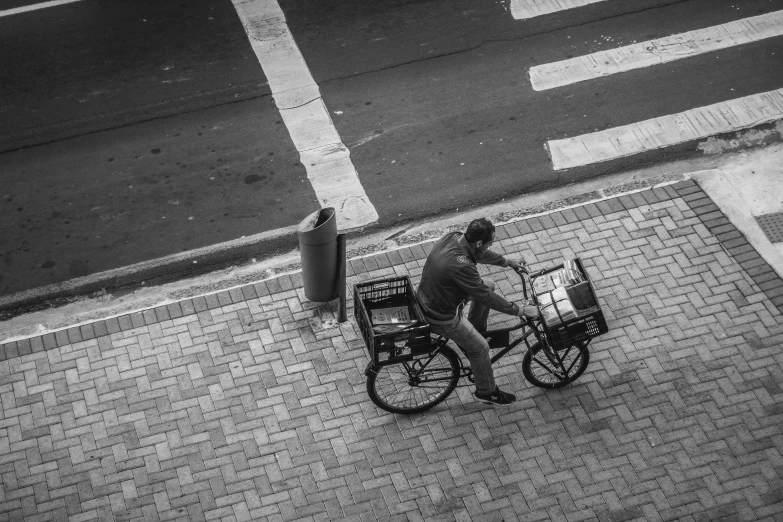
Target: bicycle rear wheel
{"points": [[554, 369], [417, 385]]}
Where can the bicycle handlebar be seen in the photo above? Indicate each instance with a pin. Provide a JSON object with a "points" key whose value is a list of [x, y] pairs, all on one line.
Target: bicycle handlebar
{"points": [[521, 272]]}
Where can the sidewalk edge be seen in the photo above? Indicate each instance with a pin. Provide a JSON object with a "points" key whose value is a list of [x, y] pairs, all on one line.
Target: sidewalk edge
{"points": [[176, 266]]}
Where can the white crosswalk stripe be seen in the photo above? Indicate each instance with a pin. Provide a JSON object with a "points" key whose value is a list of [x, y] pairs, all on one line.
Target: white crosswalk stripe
{"points": [[664, 131], [668, 130], [35, 7], [326, 159], [524, 9], [656, 52]]}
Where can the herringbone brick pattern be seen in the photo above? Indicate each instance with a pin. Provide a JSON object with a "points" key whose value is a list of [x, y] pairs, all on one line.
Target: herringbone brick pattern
{"points": [[241, 406]]}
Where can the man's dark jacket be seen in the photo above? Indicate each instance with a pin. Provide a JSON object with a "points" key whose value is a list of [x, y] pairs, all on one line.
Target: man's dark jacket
{"points": [[450, 276]]}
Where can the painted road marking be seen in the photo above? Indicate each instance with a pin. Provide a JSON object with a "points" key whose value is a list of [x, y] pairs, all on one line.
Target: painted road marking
{"points": [[668, 130], [327, 160], [523, 9], [654, 52], [42, 5]]}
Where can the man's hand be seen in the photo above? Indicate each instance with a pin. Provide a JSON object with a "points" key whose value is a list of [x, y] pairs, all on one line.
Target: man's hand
{"points": [[518, 265], [531, 312], [528, 311]]}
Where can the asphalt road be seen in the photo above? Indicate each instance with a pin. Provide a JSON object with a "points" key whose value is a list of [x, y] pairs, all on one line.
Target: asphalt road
{"points": [[132, 130]]}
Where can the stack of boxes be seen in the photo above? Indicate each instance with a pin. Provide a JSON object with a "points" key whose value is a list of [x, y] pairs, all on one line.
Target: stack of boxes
{"points": [[564, 295]]}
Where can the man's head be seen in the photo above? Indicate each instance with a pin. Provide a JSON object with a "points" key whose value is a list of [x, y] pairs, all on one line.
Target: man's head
{"points": [[480, 234]]}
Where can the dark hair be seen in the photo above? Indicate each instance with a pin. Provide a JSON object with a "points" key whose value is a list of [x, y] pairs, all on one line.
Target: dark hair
{"points": [[480, 230]]}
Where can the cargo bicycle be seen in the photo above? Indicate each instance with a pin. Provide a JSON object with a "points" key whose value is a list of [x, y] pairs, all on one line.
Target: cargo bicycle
{"points": [[412, 370]]}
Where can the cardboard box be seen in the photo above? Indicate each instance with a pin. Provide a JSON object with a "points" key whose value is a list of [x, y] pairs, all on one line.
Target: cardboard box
{"points": [[556, 307], [581, 296]]}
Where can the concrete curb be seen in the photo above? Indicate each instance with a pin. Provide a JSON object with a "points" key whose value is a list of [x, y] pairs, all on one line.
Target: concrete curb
{"points": [[176, 266]]}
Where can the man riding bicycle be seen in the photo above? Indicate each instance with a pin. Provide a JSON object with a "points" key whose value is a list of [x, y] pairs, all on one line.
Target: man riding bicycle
{"points": [[450, 278]]}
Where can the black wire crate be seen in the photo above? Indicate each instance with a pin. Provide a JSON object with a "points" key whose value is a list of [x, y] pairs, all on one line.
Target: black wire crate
{"points": [[578, 330], [399, 332], [584, 320]]}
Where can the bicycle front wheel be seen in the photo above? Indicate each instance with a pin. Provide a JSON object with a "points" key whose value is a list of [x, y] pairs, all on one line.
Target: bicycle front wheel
{"points": [[547, 368], [417, 385]]}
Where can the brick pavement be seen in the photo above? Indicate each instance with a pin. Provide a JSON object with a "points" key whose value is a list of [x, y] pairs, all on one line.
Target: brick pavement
{"points": [[241, 406]]}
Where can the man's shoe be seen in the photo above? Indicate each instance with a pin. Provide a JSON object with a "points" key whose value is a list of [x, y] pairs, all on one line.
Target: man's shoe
{"points": [[498, 397]]}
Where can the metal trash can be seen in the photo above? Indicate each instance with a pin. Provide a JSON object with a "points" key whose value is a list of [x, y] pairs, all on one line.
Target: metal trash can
{"points": [[318, 246]]}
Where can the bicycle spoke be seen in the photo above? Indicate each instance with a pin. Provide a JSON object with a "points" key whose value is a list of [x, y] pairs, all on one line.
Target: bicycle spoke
{"points": [[573, 362], [555, 367], [546, 365], [407, 396], [413, 384]]}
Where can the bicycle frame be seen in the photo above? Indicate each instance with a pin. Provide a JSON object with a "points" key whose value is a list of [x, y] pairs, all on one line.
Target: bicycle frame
{"points": [[506, 347], [536, 329], [417, 376]]}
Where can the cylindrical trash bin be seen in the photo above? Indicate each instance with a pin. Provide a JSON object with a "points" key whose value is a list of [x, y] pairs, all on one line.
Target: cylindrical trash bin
{"points": [[318, 246]]}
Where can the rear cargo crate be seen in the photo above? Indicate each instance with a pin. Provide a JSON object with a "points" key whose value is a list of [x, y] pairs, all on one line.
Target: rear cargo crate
{"points": [[404, 334]]}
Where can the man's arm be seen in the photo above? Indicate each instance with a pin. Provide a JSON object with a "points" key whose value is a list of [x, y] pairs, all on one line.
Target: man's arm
{"points": [[488, 257], [469, 280]]}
